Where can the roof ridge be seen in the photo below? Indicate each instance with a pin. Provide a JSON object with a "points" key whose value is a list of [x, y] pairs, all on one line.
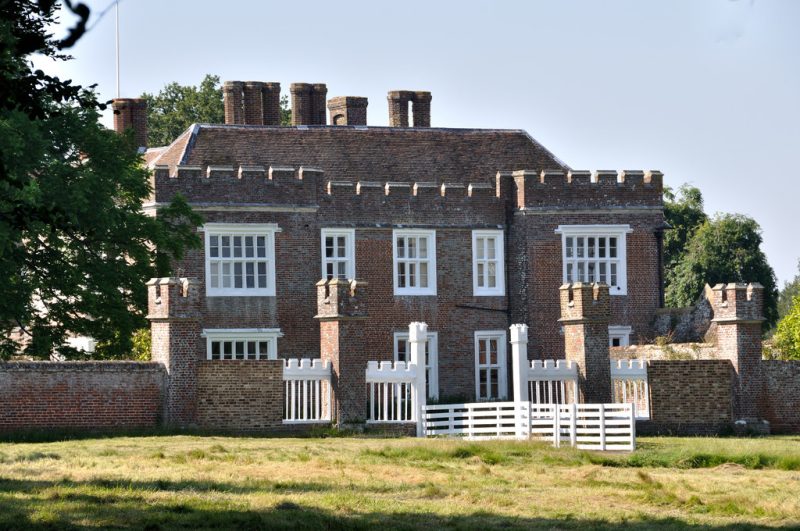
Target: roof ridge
{"points": [[359, 128]]}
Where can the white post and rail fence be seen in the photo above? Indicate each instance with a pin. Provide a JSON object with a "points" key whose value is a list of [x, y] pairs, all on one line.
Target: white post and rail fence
{"points": [[544, 407]]}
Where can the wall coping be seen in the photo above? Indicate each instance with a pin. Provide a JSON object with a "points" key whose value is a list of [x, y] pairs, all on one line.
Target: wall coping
{"points": [[81, 366]]}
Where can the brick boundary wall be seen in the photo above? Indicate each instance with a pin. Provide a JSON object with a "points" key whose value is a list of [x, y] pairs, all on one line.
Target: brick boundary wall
{"points": [[693, 397], [240, 395], [781, 397], [80, 395]]}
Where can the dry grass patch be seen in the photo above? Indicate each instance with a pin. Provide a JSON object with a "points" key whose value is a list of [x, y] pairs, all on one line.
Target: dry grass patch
{"points": [[224, 482]]}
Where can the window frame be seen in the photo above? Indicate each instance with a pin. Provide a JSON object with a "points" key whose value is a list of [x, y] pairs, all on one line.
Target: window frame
{"points": [[432, 367], [502, 357], [621, 332], [269, 230], [431, 259], [350, 250], [500, 258], [269, 335], [619, 232]]}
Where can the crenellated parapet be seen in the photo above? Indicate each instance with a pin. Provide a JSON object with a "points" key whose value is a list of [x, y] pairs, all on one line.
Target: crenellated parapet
{"points": [[239, 183], [390, 371], [738, 302], [306, 369], [173, 298], [583, 189], [338, 298], [585, 302]]}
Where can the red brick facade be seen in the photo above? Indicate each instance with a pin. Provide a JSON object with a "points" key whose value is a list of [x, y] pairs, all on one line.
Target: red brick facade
{"points": [[80, 395], [375, 180]]}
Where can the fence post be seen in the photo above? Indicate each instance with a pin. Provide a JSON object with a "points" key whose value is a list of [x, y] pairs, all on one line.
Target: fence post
{"points": [[602, 427], [417, 337], [556, 426], [573, 424], [633, 427], [519, 361]]}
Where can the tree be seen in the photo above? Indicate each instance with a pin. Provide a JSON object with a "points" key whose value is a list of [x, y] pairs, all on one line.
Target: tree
{"points": [[75, 247], [790, 291], [787, 334], [176, 107], [726, 248], [684, 213]]}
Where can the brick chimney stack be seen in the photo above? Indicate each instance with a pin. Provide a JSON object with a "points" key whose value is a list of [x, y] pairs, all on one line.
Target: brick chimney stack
{"points": [[348, 110], [251, 98], [131, 113], [398, 108], [308, 103], [252, 102]]}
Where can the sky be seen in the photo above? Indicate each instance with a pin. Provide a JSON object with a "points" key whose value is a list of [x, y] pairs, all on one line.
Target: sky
{"points": [[705, 91]]}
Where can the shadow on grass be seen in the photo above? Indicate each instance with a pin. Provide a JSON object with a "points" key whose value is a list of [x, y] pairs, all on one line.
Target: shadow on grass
{"points": [[122, 505], [74, 489]]}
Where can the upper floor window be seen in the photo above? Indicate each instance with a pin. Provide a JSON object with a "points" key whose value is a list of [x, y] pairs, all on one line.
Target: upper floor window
{"points": [[414, 262], [595, 253], [488, 262], [242, 344], [402, 352], [338, 253], [240, 259]]}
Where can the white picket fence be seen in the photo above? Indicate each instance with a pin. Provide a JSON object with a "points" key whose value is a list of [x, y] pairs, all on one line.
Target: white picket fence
{"points": [[390, 393], [599, 427], [629, 385], [307, 391], [552, 381]]}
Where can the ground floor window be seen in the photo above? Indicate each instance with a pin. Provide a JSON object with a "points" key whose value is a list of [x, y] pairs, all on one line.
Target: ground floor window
{"points": [[242, 344], [402, 352], [490, 365], [619, 336]]}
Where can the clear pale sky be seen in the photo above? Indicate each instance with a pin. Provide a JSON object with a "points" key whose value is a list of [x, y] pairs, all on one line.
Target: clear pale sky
{"points": [[704, 90]]}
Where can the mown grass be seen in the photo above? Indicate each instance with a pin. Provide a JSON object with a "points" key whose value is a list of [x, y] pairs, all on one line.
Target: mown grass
{"points": [[193, 482]]}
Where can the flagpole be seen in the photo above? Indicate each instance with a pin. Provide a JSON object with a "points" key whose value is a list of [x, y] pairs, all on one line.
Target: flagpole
{"points": [[117, 41]]}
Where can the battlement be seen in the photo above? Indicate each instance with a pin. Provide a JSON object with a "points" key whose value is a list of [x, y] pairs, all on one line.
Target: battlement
{"points": [[173, 298], [584, 189], [629, 369], [581, 301], [341, 298], [738, 302], [552, 370], [239, 183], [406, 190], [306, 368], [390, 371]]}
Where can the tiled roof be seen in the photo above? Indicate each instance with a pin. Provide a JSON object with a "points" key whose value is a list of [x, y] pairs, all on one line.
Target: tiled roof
{"points": [[352, 153]]}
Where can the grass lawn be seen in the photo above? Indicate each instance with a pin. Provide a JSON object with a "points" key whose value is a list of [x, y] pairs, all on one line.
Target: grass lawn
{"points": [[166, 482]]}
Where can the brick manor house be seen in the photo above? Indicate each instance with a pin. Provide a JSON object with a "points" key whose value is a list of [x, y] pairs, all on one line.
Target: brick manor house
{"points": [[469, 230]]}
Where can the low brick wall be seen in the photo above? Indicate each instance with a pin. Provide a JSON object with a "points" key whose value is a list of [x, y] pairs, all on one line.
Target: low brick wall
{"points": [[781, 396], [239, 395], [690, 397], [80, 395]]}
